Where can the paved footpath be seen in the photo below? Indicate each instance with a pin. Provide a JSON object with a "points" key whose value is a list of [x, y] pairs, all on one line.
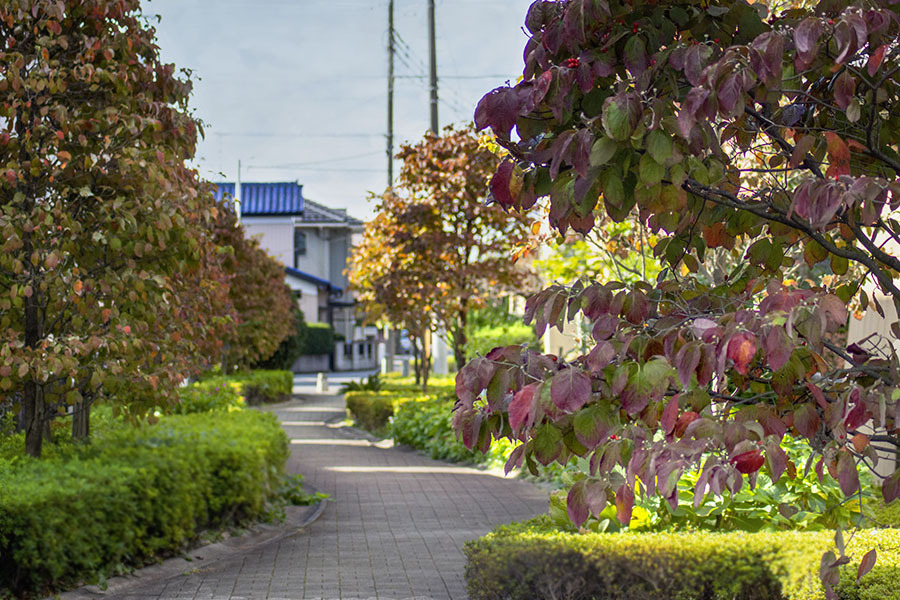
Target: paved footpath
{"points": [[393, 528]]}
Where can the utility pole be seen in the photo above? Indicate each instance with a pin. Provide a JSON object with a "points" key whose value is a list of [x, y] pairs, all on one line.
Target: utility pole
{"points": [[390, 99], [433, 82]]}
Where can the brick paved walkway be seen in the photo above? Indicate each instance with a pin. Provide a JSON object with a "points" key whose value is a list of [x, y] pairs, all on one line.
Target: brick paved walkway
{"points": [[393, 528]]}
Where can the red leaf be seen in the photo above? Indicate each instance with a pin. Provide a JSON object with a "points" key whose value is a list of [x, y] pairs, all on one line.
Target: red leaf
{"points": [[847, 475], [570, 389], [686, 361], [576, 504], [838, 155], [500, 187], [777, 346], [875, 59], [866, 564], [624, 503], [806, 41], [684, 420], [521, 409], [742, 349], [890, 487], [806, 420], [777, 460], [749, 462], [595, 496], [844, 89], [499, 110], [670, 415]]}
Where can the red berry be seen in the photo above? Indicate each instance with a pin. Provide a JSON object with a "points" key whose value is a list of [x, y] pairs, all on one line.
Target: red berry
{"points": [[831, 21], [716, 40]]}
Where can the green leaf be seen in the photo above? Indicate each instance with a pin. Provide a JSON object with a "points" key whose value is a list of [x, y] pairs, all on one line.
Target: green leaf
{"points": [[602, 150], [659, 146], [651, 172], [547, 444]]}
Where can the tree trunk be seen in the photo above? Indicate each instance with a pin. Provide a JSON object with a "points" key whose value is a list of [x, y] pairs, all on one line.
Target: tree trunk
{"points": [[32, 400], [426, 361], [460, 339], [33, 410], [81, 420], [414, 341]]}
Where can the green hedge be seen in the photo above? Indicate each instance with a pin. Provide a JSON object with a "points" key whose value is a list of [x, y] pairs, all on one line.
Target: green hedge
{"points": [[532, 561], [372, 410], [228, 392], [319, 339], [85, 512]]}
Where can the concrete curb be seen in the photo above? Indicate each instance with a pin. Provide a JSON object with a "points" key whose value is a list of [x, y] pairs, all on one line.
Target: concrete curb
{"points": [[297, 518]]}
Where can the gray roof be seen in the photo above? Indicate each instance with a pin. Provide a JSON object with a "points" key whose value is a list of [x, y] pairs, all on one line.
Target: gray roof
{"points": [[317, 213]]}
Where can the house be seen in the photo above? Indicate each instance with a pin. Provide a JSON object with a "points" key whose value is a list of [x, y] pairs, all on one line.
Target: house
{"points": [[313, 242]]}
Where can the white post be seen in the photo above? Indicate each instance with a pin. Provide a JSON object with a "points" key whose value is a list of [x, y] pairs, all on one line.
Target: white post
{"points": [[439, 355], [322, 383]]}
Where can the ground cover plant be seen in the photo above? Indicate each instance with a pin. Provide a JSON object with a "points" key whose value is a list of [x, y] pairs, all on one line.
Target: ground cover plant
{"points": [[89, 510], [725, 130]]}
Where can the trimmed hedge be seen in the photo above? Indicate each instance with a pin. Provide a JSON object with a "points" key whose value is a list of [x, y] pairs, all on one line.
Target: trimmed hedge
{"points": [[85, 512], [533, 561], [319, 339], [372, 410], [228, 392]]}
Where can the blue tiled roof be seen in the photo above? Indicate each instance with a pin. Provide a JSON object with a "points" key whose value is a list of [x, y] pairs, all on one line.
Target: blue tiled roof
{"points": [[313, 279], [282, 198]]}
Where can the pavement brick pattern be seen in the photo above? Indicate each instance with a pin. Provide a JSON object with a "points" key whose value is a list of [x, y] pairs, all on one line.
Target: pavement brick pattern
{"points": [[393, 528]]}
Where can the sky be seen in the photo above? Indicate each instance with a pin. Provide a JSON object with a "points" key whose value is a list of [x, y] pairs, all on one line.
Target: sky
{"points": [[296, 90]]}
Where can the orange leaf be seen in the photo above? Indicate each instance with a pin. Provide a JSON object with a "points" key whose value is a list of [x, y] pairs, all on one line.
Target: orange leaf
{"points": [[860, 441], [838, 155], [78, 286]]}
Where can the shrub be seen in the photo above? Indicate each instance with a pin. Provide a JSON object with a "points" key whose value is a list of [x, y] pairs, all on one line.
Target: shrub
{"points": [[228, 392], [88, 510], [533, 560], [261, 387], [319, 339], [372, 410], [290, 349]]}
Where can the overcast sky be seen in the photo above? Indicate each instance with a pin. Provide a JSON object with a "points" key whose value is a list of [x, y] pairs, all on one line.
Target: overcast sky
{"points": [[297, 89]]}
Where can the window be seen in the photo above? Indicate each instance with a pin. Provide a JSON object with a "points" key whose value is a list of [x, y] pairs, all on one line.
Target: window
{"points": [[299, 246]]}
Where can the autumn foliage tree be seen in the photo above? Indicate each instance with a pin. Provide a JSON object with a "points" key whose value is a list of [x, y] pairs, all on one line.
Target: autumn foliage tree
{"points": [[439, 245], [104, 227], [261, 303], [714, 124]]}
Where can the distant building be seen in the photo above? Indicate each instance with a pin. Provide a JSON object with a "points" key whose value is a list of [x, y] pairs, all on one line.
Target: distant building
{"points": [[313, 242]]}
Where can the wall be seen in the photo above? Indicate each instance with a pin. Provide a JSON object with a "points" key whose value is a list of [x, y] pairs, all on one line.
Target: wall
{"points": [[276, 236]]}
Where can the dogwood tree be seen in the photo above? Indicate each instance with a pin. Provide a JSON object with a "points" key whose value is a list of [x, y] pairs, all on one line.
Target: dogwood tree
{"points": [[102, 221], [713, 124]]}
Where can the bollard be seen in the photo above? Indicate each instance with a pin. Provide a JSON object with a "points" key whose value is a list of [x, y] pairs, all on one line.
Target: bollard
{"points": [[322, 383], [385, 366], [404, 367]]}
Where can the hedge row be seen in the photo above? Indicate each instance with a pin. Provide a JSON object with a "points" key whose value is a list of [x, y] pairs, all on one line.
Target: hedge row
{"points": [[229, 392], [533, 561], [85, 512], [319, 339]]}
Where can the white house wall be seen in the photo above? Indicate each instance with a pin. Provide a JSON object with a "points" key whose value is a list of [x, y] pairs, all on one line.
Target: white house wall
{"points": [[275, 235]]}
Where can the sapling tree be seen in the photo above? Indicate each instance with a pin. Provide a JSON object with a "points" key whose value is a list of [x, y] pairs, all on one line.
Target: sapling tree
{"points": [[714, 124]]}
